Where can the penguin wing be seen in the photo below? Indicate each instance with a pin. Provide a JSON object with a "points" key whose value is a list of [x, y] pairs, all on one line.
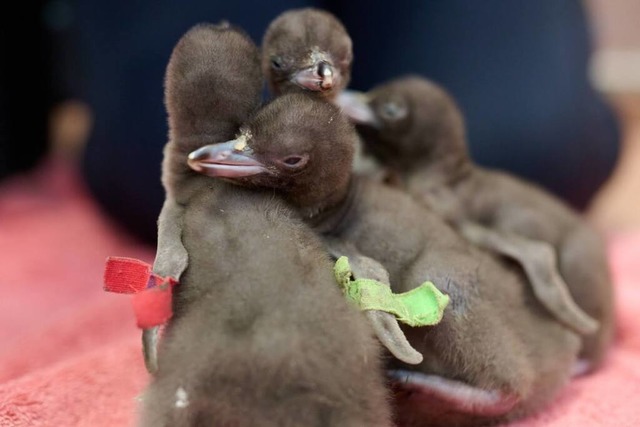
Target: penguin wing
{"points": [[385, 325], [171, 261], [171, 255], [538, 260]]}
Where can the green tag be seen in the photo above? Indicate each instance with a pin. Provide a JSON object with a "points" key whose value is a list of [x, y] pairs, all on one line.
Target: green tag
{"points": [[421, 306]]}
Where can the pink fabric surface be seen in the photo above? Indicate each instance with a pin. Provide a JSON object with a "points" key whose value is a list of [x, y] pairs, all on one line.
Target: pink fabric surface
{"points": [[70, 353]]}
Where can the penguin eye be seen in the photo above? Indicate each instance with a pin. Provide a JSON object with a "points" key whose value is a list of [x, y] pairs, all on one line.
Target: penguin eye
{"points": [[393, 111], [295, 161], [276, 63]]}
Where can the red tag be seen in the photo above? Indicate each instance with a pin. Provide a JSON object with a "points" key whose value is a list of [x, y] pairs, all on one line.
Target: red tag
{"points": [[153, 306], [152, 293], [126, 275]]}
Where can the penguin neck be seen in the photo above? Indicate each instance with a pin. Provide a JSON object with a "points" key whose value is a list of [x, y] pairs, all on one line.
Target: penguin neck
{"points": [[334, 212], [446, 163]]}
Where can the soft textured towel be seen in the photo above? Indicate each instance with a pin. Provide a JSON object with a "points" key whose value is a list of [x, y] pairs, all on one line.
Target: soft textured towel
{"points": [[70, 353]]}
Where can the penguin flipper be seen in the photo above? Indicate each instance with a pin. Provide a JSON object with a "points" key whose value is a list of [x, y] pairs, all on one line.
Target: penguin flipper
{"points": [[171, 261], [171, 256], [538, 259], [385, 325]]}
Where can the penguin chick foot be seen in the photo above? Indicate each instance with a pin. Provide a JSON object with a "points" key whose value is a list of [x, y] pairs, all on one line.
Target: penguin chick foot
{"points": [[460, 396], [150, 348]]}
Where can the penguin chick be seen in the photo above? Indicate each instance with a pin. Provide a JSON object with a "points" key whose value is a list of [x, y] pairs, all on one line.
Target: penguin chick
{"points": [[307, 49], [261, 334], [234, 86], [413, 126], [497, 354]]}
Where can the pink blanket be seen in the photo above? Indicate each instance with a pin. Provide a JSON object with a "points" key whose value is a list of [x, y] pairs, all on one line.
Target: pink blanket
{"points": [[70, 353]]}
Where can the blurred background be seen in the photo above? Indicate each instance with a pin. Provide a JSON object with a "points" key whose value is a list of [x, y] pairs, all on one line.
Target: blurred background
{"points": [[550, 89], [615, 72]]}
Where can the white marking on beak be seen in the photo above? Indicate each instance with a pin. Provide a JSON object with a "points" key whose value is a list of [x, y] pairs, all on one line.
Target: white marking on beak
{"points": [[241, 143]]}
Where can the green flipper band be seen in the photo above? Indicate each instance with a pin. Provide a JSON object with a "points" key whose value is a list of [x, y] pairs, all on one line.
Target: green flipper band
{"points": [[421, 306]]}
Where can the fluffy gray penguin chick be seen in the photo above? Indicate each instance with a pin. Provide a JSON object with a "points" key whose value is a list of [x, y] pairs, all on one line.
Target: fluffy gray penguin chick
{"points": [[307, 50], [413, 126], [261, 335], [202, 85], [497, 354]]}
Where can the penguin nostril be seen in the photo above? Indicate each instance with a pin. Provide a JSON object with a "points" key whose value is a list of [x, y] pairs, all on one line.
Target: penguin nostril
{"points": [[223, 155]]}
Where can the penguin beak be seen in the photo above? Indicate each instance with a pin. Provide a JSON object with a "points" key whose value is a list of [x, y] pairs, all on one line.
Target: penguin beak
{"points": [[356, 106], [231, 159], [319, 77]]}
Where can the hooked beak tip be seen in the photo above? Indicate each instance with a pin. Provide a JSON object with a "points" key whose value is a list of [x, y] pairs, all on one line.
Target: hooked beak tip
{"points": [[325, 71], [356, 106], [193, 160], [194, 164], [326, 84]]}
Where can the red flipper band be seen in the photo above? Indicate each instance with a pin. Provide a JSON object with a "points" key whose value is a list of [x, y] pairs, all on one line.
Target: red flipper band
{"points": [[152, 293], [152, 306]]}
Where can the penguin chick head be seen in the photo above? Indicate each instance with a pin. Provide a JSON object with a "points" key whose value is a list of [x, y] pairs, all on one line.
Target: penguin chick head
{"points": [[307, 49], [298, 145], [213, 83], [407, 121]]}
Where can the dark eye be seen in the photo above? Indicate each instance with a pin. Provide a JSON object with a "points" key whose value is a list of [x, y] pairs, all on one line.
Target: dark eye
{"points": [[292, 161], [295, 161], [393, 110], [276, 62]]}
